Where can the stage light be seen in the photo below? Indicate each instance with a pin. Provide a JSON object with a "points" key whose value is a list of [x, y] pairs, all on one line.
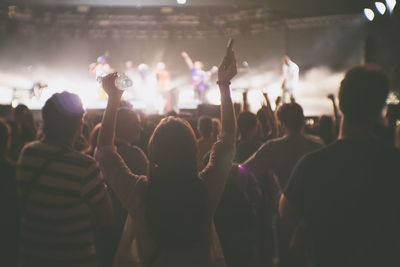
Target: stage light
{"points": [[369, 14], [390, 4], [181, 2], [380, 7]]}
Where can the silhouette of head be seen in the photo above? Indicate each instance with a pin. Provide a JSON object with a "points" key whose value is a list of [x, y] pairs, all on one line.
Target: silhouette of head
{"points": [[247, 124], [204, 126], [62, 116], [291, 116], [363, 93]]}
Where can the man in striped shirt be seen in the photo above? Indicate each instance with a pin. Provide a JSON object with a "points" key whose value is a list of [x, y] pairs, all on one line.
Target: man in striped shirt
{"points": [[64, 201]]}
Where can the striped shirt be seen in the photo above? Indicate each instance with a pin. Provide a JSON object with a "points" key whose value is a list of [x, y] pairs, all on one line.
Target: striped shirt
{"points": [[56, 221]]}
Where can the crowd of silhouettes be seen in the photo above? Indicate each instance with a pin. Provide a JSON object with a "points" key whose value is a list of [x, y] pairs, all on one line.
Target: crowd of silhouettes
{"points": [[270, 188]]}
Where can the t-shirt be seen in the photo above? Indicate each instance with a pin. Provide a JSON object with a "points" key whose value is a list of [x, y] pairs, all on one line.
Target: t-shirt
{"points": [[280, 155], [348, 196], [198, 78], [56, 223], [244, 149], [291, 75]]}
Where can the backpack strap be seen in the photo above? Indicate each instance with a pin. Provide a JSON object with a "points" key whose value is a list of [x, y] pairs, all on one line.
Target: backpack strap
{"points": [[57, 155]]}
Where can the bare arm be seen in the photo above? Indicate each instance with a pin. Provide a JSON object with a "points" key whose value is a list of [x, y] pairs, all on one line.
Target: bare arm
{"points": [[286, 211], [188, 60], [107, 130], [270, 116], [331, 97], [226, 71]]}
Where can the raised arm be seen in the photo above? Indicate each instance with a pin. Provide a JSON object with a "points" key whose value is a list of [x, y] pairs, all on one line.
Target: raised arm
{"points": [[107, 130], [122, 181], [226, 71], [188, 60], [331, 97], [270, 116]]}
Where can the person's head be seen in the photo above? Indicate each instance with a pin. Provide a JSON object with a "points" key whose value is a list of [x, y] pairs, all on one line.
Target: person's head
{"points": [[204, 126], [5, 137], [286, 60], [198, 65], [175, 200], [173, 145], [22, 114], [291, 117], [160, 66], [216, 127], [363, 93], [247, 125], [128, 126], [62, 117]]}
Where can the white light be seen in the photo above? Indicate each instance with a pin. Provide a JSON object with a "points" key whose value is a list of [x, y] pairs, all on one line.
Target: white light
{"points": [[181, 2], [369, 14], [390, 5], [380, 7]]}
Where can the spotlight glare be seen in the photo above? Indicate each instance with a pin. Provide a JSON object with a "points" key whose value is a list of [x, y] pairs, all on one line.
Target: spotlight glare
{"points": [[369, 14], [380, 7], [390, 4], [181, 2]]}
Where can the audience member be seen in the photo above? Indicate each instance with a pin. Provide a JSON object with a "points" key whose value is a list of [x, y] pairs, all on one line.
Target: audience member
{"points": [[278, 157], [127, 132], [174, 205], [248, 140], [206, 140], [64, 201], [24, 130], [8, 200], [343, 199]]}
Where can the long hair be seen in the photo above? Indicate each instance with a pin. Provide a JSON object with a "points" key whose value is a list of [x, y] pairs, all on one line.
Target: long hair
{"points": [[176, 197]]}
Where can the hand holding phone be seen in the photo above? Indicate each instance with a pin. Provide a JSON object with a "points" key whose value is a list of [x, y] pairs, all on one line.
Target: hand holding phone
{"points": [[227, 69]]}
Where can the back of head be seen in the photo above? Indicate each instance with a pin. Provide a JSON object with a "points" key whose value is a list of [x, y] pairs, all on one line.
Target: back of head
{"points": [[128, 124], [5, 135], [291, 116], [216, 127], [176, 197], [204, 125], [62, 116], [247, 122], [363, 93]]}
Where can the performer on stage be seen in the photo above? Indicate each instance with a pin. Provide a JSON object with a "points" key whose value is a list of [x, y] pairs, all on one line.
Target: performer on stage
{"points": [[290, 73], [99, 70], [163, 86], [199, 77]]}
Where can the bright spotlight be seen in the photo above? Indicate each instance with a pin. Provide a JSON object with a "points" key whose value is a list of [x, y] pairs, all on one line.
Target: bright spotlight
{"points": [[390, 4], [369, 14], [380, 7], [181, 2]]}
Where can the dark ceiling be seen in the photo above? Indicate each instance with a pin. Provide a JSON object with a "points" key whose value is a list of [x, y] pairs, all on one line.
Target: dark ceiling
{"points": [[147, 19]]}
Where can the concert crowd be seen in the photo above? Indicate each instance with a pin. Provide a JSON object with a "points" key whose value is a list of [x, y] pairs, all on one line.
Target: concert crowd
{"points": [[123, 188]]}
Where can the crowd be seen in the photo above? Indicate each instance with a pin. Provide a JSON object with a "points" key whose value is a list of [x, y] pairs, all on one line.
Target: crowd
{"points": [[262, 189]]}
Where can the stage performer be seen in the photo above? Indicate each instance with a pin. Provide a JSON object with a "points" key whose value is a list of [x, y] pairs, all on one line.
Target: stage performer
{"points": [[163, 85], [290, 74], [199, 77]]}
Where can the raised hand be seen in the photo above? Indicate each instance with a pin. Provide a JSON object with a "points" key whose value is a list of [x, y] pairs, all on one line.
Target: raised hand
{"points": [[108, 83], [331, 97], [184, 54], [228, 67]]}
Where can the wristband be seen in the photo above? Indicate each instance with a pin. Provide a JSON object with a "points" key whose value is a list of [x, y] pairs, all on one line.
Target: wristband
{"points": [[223, 83]]}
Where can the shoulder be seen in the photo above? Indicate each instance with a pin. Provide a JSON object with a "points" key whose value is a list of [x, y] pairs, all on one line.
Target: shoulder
{"points": [[314, 139]]}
